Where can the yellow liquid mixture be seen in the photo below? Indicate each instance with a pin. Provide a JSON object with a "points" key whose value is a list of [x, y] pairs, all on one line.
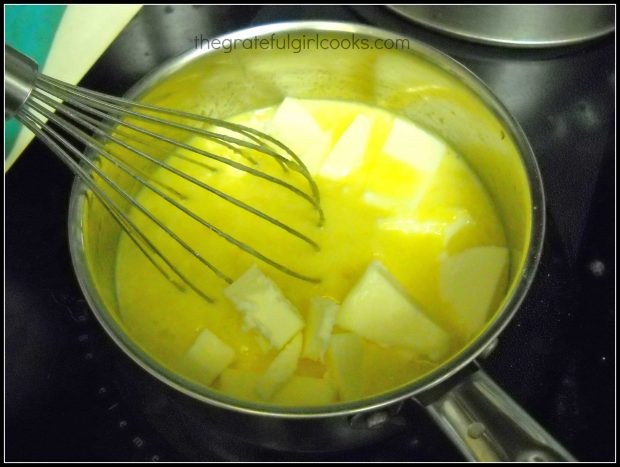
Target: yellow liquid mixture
{"points": [[409, 217]]}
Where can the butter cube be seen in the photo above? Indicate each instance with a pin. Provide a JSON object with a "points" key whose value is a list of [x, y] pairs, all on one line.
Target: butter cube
{"points": [[306, 391], [349, 151], [410, 144], [410, 159], [379, 309], [345, 358], [321, 319], [280, 370], [240, 384], [295, 126], [386, 368], [264, 307], [445, 226], [206, 358], [469, 281]]}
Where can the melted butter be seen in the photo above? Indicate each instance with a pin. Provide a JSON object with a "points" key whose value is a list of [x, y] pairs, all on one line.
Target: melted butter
{"points": [[164, 318]]}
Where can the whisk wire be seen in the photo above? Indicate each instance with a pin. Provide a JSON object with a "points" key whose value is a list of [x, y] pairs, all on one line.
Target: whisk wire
{"points": [[127, 136], [100, 101], [193, 149], [41, 131], [77, 153], [251, 133], [102, 133], [93, 144], [103, 124]]}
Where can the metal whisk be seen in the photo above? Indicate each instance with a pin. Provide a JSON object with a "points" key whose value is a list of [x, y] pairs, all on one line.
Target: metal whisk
{"points": [[67, 117]]}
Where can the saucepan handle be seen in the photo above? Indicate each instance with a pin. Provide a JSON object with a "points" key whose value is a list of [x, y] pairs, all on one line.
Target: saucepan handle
{"points": [[487, 425]]}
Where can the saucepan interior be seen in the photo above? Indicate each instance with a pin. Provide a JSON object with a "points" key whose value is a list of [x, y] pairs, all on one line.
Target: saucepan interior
{"points": [[411, 80]]}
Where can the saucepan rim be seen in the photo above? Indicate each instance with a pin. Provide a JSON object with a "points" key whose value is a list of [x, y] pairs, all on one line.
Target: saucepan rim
{"points": [[435, 377]]}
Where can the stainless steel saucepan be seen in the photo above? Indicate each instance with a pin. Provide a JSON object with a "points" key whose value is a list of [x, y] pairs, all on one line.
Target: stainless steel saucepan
{"points": [[407, 78]]}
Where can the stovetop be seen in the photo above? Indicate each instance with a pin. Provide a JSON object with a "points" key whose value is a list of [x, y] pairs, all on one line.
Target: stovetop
{"points": [[66, 396]]}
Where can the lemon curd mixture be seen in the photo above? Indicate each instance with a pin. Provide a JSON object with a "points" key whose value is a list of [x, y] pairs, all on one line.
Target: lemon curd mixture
{"points": [[412, 262]]}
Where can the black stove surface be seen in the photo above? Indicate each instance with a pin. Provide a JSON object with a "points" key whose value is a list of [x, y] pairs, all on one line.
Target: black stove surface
{"points": [[67, 393]]}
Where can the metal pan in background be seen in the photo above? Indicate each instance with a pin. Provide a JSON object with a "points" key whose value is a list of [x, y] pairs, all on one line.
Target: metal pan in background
{"points": [[525, 26]]}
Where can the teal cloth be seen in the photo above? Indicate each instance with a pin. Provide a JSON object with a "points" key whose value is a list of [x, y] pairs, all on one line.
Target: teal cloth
{"points": [[29, 29]]}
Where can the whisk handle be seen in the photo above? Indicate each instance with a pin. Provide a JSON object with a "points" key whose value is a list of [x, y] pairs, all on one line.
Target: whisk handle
{"points": [[20, 72]]}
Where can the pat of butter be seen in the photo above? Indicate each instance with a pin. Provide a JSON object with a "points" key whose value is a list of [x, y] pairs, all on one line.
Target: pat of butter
{"points": [[446, 228], [410, 159], [410, 144], [280, 370], [345, 358], [264, 307], [469, 281], [293, 125], [306, 391], [206, 358], [239, 384], [379, 309], [321, 318], [349, 151]]}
